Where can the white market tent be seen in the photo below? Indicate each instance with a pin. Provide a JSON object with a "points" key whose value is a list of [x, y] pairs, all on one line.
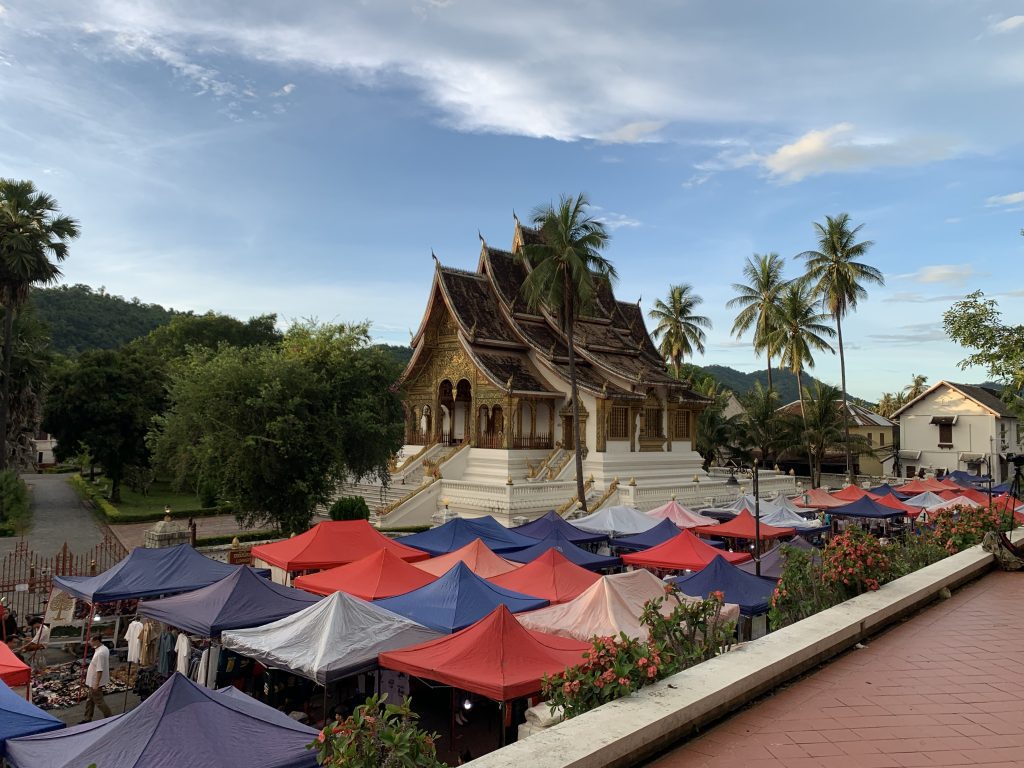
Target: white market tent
{"points": [[339, 636], [781, 517], [616, 521], [925, 499]]}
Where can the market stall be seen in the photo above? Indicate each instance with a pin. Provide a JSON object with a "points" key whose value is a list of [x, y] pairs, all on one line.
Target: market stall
{"points": [[615, 521], [773, 562], [13, 670], [685, 552], [680, 515], [751, 593], [652, 537], [853, 493], [380, 574], [477, 556], [578, 555], [460, 531], [744, 526], [550, 576], [19, 717], [550, 522]]}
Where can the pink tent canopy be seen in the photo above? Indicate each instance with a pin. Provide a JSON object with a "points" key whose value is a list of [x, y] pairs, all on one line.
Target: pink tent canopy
{"points": [[853, 493], [480, 559], [378, 575], [818, 498], [680, 515], [683, 553], [744, 526]]}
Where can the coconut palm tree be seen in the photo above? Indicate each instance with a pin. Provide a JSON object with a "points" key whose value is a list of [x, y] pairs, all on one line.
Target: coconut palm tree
{"points": [[34, 238], [564, 270], [680, 330], [825, 428], [837, 276], [916, 388], [886, 405], [759, 424], [759, 301], [800, 332]]}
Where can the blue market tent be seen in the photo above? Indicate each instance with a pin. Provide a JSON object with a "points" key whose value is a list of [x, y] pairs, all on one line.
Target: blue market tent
{"points": [[19, 717], [751, 593], [148, 573], [652, 537], [865, 507], [241, 600], [180, 724], [773, 562], [887, 490], [1001, 488], [459, 532], [544, 526], [968, 479], [555, 540], [456, 600]]}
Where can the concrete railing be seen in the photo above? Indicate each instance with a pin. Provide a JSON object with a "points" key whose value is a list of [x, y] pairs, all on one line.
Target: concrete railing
{"points": [[628, 731]]}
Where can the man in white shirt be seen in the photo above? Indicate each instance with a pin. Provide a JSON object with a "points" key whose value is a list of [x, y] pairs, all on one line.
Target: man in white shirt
{"points": [[96, 677], [36, 647]]}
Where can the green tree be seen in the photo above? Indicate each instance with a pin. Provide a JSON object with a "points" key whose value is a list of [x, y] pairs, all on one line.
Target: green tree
{"points": [[760, 426], [30, 364], [887, 405], [838, 276], [916, 388], [976, 324], [825, 428], [715, 432], [758, 300], [565, 269], [276, 429], [105, 400], [678, 328], [34, 238], [209, 331]]}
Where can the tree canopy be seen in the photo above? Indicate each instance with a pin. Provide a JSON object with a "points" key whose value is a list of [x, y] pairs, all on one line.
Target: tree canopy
{"points": [[976, 323], [209, 331], [274, 429]]}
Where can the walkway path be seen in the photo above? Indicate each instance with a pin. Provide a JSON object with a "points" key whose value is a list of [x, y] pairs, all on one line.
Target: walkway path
{"points": [[941, 689], [57, 517], [134, 534]]}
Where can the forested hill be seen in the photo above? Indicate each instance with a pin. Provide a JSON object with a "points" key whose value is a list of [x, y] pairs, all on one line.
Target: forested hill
{"points": [[784, 381], [81, 318]]}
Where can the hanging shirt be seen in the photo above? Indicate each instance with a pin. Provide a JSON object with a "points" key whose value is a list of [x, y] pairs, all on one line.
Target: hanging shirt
{"points": [[134, 637], [184, 650], [98, 673], [165, 653], [204, 667]]}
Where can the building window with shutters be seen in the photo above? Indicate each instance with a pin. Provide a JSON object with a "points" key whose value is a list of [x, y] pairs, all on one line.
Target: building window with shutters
{"points": [[881, 439], [871, 439], [618, 423], [945, 435], [681, 426]]}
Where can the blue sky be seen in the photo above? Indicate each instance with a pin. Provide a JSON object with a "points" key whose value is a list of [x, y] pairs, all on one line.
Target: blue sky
{"points": [[257, 157]]}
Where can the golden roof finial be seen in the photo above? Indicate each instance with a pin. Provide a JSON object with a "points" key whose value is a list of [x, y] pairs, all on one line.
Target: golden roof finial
{"points": [[434, 257]]}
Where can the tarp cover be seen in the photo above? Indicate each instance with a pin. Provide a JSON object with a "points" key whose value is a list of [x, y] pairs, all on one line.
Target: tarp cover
{"points": [[616, 521], [887, 490], [612, 605], [773, 562], [569, 549], [496, 658], [181, 724], [148, 573], [744, 526], [894, 503], [958, 501], [680, 515], [243, 599], [751, 593], [782, 517], [19, 717], [866, 508], [921, 485], [13, 670], [659, 534], [458, 599], [924, 499], [380, 574], [817, 498], [542, 527], [460, 531], [480, 558], [979, 497], [683, 553], [550, 576], [328, 544], [852, 493], [968, 479], [339, 636]]}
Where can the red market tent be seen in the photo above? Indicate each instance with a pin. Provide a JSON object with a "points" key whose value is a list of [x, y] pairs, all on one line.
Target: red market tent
{"points": [[683, 553], [853, 493], [13, 670], [818, 498], [480, 559], [380, 574], [920, 486], [551, 576], [888, 500], [496, 657], [744, 526], [331, 543], [680, 515], [978, 497]]}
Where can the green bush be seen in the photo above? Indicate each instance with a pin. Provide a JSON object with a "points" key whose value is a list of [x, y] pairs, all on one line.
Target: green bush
{"points": [[208, 494], [216, 541], [95, 493], [14, 501], [350, 508]]}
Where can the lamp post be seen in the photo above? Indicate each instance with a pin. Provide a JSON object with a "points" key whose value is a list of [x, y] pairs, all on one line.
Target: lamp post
{"points": [[757, 523]]}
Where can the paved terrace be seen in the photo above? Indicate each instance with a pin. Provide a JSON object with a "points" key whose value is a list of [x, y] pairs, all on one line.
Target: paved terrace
{"points": [[943, 688]]}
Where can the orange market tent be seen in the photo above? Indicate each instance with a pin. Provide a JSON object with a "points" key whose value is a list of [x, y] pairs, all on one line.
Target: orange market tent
{"points": [[551, 576], [331, 543], [496, 657], [818, 498], [612, 605], [920, 486], [13, 670], [683, 553], [888, 500], [744, 526], [680, 515], [380, 574], [480, 558], [853, 493]]}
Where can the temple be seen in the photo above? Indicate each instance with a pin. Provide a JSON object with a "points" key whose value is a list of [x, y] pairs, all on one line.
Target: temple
{"points": [[488, 404]]}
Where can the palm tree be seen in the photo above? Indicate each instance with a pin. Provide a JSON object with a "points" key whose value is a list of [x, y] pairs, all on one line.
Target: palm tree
{"points": [[34, 237], [886, 405], [825, 428], [918, 384], [759, 425], [715, 432], [800, 332], [759, 299], [838, 277], [563, 273], [678, 327]]}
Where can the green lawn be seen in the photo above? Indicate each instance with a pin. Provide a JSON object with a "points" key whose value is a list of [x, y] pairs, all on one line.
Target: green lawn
{"points": [[135, 507]]}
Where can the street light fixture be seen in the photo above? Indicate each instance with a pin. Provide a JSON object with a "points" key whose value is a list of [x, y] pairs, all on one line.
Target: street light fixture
{"points": [[757, 522]]}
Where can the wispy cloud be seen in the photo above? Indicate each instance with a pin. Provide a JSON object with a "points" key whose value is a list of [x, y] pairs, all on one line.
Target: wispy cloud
{"points": [[284, 90], [915, 333], [940, 273], [613, 220], [1007, 25], [909, 297], [634, 133], [1014, 198]]}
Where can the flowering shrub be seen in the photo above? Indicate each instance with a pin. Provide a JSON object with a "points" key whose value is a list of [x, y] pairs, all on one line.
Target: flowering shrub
{"points": [[802, 590], [377, 736], [958, 528], [616, 666], [855, 562]]}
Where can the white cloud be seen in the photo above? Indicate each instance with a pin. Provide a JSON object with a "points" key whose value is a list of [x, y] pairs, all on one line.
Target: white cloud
{"points": [[633, 132], [614, 220], [1011, 199], [952, 220], [284, 90], [942, 273], [1007, 25]]}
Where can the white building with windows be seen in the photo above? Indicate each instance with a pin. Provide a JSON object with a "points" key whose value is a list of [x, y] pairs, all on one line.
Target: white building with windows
{"points": [[957, 426]]}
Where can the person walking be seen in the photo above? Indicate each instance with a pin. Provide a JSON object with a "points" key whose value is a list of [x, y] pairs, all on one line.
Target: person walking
{"points": [[96, 677]]}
